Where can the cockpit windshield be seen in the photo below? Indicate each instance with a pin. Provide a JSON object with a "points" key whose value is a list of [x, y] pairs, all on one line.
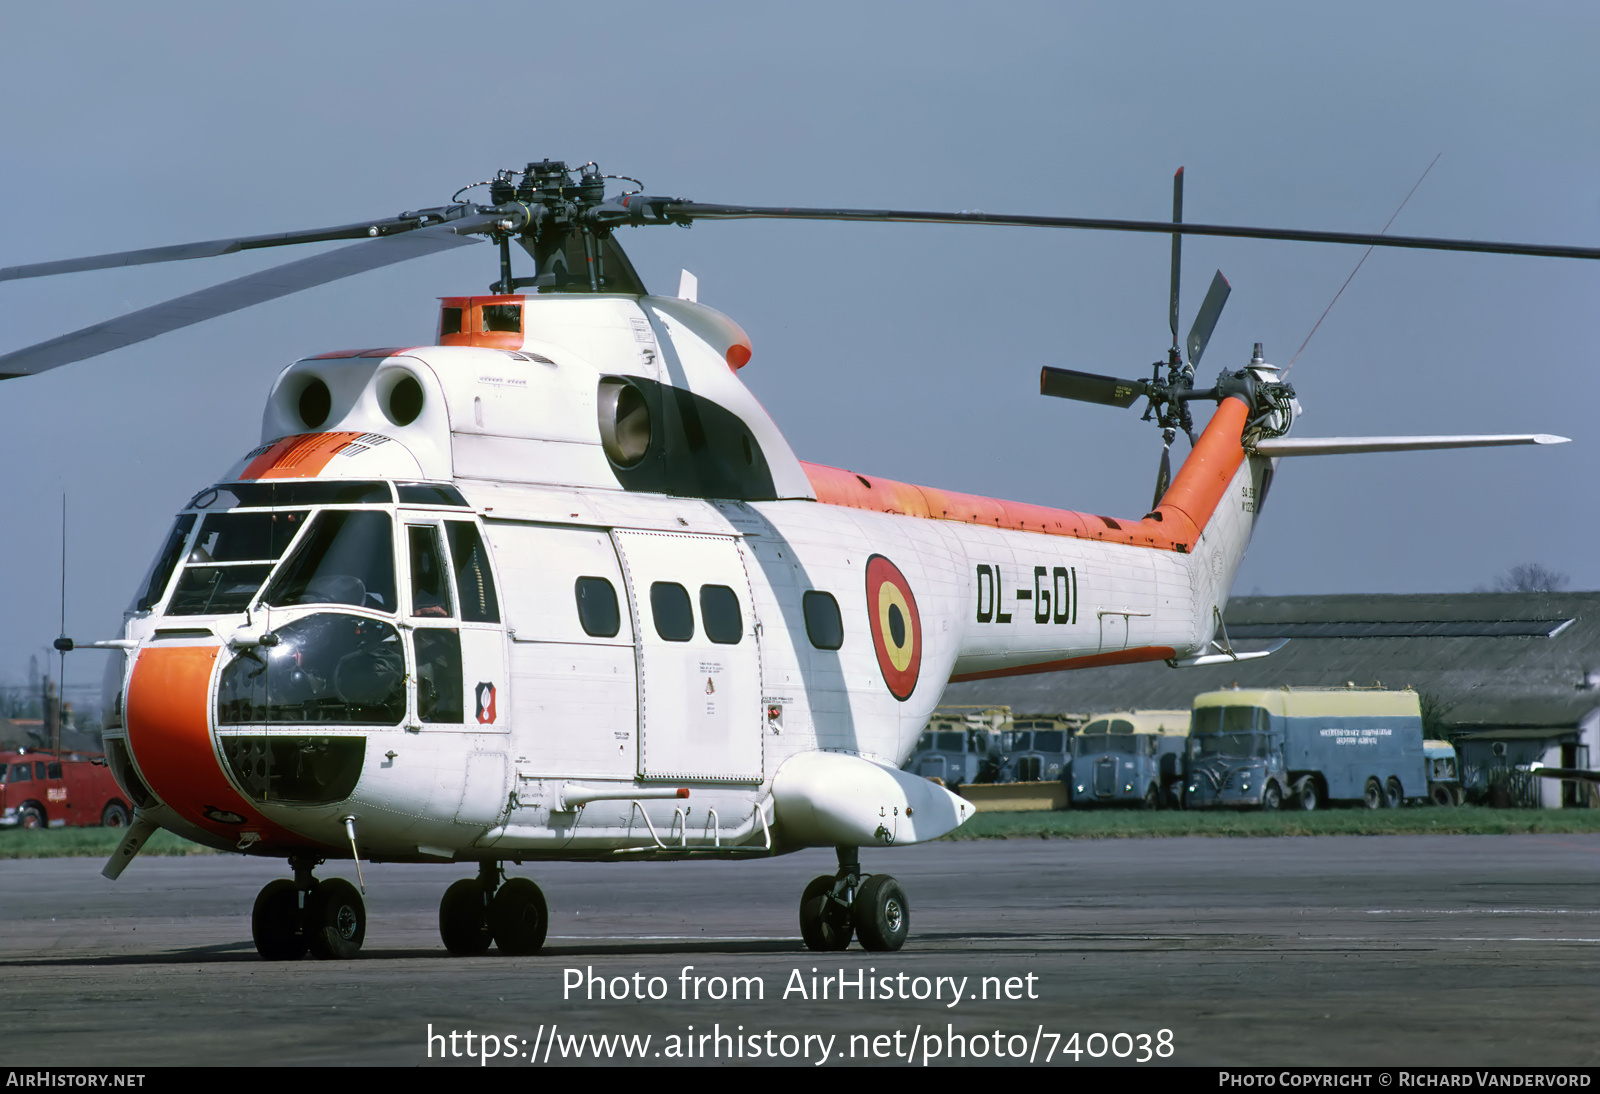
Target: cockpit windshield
{"points": [[231, 557], [1236, 731], [347, 557]]}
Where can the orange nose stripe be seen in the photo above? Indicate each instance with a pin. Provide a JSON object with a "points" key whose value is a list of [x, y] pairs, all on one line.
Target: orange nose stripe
{"points": [[169, 731]]}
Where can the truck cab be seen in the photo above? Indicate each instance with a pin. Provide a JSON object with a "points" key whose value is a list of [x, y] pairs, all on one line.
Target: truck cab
{"points": [[1036, 750], [1129, 758], [956, 751]]}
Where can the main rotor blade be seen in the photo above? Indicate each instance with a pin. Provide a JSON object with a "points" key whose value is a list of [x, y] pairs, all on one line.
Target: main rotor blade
{"points": [[243, 292], [695, 210], [1086, 387], [1206, 321], [1177, 250], [211, 248]]}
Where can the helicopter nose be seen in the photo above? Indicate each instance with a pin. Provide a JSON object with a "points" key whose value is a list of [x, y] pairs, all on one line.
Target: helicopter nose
{"points": [[168, 723]]}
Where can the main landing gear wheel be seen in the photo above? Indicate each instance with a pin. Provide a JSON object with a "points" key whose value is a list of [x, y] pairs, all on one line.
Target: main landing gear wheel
{"points": [[881, 914], [464, 919], [335, 919], [275, 922], [824, 916], [518, 917]]}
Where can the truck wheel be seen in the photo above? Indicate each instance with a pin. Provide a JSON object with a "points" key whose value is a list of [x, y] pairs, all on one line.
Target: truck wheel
{"points": [[1271, 798], [30, 816], [1393, 798], [1305, 794], [1459, 795], [1152, 799], [1372, 796], [115, 815], [1440, 795]]}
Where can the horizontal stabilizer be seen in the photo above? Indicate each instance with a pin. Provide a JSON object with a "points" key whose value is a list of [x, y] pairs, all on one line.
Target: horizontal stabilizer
{"points": [[1332, 446]]}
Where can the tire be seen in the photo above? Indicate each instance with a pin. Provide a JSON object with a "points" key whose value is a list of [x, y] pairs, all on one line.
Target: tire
{"points": [[1372, 796], [1271, 798], [464, 920], [275, 923], [1393, 796], [1306, 796], [1459, 795], [824, 922], [881, 914], [1440, 795], [30, 816], [336, 920], [1152, 799], [115, 815], [518, 917]]}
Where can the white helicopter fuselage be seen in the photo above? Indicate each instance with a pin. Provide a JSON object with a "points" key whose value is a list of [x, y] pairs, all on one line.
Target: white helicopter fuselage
{"points": [[586, 642]]}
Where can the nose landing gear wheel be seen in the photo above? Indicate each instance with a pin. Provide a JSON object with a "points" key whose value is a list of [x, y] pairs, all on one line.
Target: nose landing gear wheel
{"points": [[336, 920], [518, 917], [275, 922], [881, 914], [824, 917], [464, 920]]}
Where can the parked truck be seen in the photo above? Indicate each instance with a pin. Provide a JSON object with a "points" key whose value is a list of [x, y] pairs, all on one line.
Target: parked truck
{"points": [[38, 789], [1129, 758], [1305, 747], [959, 749], [1036, 748]]}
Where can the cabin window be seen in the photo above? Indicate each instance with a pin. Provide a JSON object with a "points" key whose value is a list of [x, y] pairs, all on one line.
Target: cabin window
{"points": [[439, 691], [449, 320], [430, 587], [719, 612], [474, 582], [670, 607], [824, 626], [22, 773], [597, 607], [347, 557]]}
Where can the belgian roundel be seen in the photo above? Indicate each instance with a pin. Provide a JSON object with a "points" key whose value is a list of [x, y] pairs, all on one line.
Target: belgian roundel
{"points": [[896, 626]]}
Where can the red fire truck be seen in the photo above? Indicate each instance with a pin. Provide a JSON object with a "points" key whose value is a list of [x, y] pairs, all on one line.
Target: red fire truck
{"points": [[40, 790]]}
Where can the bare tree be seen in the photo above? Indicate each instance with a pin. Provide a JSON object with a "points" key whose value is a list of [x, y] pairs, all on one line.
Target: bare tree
{"points": [[1530, 577]]}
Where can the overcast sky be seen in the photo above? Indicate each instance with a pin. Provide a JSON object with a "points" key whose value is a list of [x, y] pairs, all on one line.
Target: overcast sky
{"points": [[901, 350]]}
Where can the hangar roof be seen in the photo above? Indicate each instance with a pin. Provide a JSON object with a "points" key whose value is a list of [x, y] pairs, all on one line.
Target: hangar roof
{"points": [[1484, 659]]}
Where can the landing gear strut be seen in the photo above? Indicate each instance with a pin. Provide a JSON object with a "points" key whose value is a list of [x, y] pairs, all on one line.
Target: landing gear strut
{"points": [[490, 907], [873, 908], [325, 918]]}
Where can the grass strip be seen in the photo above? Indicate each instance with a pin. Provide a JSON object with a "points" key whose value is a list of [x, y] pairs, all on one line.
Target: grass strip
{"points": [[1409, 821], [88, 843]]}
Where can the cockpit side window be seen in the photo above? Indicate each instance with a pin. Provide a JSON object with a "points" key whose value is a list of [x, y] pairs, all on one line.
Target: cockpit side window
{"points": [[474, 581], [430, 586], [346, 557], [166, 562]]}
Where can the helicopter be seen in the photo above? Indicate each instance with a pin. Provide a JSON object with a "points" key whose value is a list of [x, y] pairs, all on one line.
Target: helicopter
{"points": [[557, 588]]}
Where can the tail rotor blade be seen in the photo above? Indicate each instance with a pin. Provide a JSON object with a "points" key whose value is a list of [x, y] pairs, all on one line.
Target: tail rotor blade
{"points": [[1177, 250], [1163, 476], [1206, 321], [1086, 387]]}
